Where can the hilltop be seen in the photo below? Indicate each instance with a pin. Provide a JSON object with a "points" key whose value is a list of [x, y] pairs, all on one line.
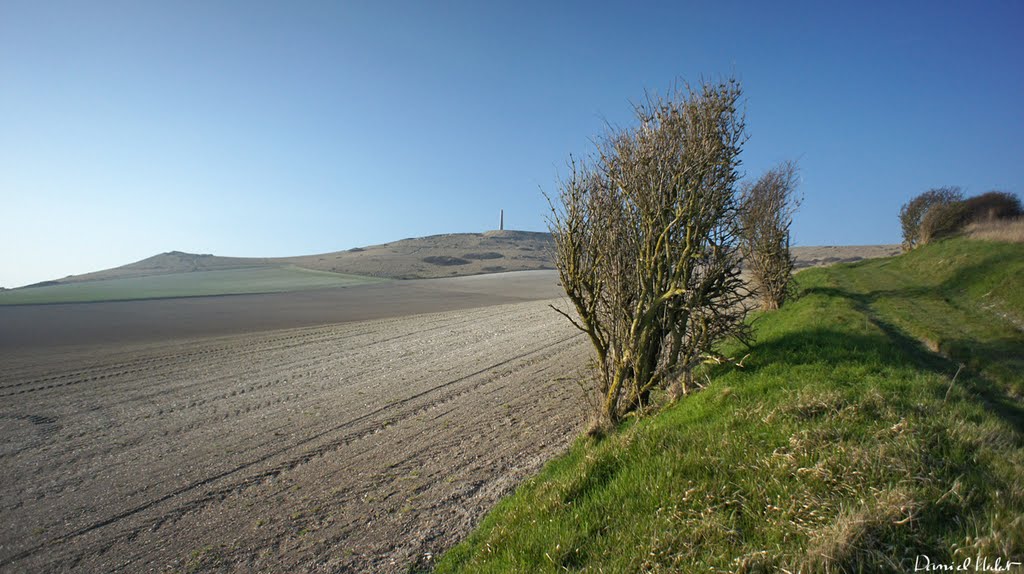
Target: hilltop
{"points": [[439, 256]]}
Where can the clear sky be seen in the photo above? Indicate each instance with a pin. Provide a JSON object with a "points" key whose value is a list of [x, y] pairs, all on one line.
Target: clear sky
{"points": [[287, 128]]}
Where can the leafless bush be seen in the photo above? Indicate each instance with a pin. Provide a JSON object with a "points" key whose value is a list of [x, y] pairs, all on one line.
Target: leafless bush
{"points": [[992, 206], [646, 243], [914, 211], [766, 215]]}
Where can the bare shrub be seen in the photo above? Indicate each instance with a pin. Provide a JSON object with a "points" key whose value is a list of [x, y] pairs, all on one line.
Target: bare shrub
{"points": [[766, 215], [484, 255], [646, 243], [913, 212], [992, 206], [445, 260]]}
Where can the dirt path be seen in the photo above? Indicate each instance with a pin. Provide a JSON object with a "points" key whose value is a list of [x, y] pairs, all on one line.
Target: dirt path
{"points": [[361, 446]]}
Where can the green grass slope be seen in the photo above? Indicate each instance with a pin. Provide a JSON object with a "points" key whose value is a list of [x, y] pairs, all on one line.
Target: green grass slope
{"points": [[193, 284], [844, 445]]}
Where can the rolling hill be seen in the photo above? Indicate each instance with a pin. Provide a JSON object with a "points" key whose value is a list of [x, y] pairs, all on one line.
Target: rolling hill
{"points": [[165, 264], [414, 258], [179, 274], [444, 255]]}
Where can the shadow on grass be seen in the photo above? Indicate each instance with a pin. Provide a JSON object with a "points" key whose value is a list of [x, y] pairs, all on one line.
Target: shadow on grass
{"points": [[981, 359], [833, 347], [953, 285]]}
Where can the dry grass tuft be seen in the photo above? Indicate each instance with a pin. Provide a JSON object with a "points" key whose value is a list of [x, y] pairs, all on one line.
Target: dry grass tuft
{"points": [[811, 405], [859, 540], [1004, 230], [757, 563]]}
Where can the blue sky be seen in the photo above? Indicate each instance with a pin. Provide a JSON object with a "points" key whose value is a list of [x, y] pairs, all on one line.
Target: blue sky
{"points": [[287, 128]]}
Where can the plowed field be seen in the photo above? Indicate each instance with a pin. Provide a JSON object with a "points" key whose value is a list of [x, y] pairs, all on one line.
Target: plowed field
{"points": [[357, 446]]}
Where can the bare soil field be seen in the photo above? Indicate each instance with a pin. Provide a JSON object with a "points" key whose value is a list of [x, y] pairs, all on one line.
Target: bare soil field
{"points": [[45, 327], [362, 446]]}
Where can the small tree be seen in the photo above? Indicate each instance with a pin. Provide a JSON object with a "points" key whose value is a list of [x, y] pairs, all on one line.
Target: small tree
{"points": [[941, 221], [913, 212], [646, 243], [767, 212]]}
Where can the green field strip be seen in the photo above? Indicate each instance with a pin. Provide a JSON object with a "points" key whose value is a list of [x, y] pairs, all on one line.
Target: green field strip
{"points": [[195, 284]]}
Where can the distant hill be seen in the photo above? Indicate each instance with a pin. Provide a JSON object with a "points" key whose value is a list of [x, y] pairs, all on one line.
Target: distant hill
{"points": [[415, 258], [819, 256], [434, 256]]}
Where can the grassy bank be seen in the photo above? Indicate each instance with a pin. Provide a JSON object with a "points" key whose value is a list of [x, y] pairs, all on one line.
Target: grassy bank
{"points": [[844, 445]]}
